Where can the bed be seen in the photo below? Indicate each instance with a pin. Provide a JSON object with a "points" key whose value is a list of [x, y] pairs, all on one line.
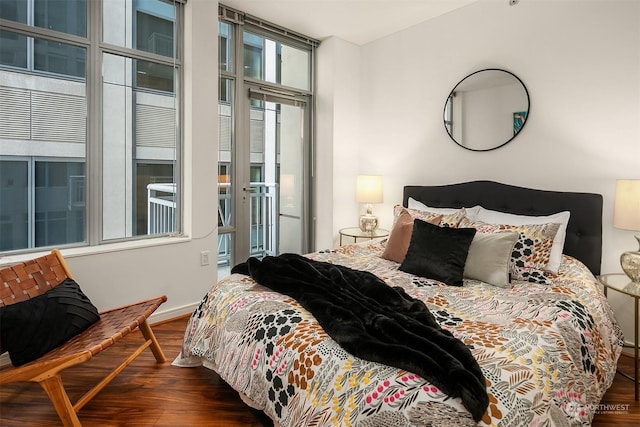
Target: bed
{"points": [[547, 343]]}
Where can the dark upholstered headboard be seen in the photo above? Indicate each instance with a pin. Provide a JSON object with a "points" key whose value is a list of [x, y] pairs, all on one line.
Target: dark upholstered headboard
{"points": [[584, 231]]}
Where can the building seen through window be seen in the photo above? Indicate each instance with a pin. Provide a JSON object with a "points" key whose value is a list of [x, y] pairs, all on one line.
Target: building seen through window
{"points": [[49, 182]]}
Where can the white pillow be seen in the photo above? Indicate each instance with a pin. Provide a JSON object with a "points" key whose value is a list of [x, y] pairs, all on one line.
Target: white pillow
{"points": [[414, 204], [562, 218], [489, 256]]}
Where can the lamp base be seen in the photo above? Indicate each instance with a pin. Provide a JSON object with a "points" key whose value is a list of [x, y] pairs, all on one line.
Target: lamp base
{"points": [[368, 223], [632, 288], [630, 263]]}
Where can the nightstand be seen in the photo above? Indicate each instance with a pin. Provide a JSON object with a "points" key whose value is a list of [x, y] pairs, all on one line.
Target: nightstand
{"points": [[356, 233], [618, 282]]}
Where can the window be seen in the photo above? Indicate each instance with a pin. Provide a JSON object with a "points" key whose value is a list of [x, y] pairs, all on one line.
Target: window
{"points": [[63, 182], [154, 184], [276, 62], [59, 58], [58, 215], [225, 51], [13, 49], [37, 54], [67, 16], [155, 33]]}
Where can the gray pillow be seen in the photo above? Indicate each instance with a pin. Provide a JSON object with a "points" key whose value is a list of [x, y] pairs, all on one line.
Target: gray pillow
{"points": [[489, 256]]}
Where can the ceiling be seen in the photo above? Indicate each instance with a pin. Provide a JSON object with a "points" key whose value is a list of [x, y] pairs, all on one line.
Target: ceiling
{"points": [[355, 21]]}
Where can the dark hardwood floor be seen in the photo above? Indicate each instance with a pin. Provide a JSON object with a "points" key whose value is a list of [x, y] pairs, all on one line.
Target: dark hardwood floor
{"points": [[150, 394]]}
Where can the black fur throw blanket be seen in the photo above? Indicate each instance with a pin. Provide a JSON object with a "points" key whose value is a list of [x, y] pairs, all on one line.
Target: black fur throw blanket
{"points": [[375, 322]]}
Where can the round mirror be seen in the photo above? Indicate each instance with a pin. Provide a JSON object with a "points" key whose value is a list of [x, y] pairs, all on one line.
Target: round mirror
{"points": [[486, 109]]}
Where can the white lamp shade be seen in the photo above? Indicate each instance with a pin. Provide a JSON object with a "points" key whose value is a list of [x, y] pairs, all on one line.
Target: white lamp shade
{"points": [[369, 189], [626, 212]]}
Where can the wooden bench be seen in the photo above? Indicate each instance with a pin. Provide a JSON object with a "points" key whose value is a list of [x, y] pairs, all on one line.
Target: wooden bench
{"points": [[34, 277]]}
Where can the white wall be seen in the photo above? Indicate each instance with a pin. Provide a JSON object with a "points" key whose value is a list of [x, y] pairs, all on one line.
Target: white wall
{"points": [[338, 136], [581, 64]]}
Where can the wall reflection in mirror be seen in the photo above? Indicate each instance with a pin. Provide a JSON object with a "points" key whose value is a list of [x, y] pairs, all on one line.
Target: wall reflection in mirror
{"points": [[486, 109]]}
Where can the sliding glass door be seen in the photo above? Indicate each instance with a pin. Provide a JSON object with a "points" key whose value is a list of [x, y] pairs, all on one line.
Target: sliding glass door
{"points": [[264, 111], [265, 212]]}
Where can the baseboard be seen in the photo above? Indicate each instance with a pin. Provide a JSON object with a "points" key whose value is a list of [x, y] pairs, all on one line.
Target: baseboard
{"points": [[628, 348], [160, 316]]}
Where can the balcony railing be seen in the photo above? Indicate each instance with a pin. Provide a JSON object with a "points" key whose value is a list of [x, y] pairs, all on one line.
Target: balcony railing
{"points": [[263, 207], [264, 215], [161, 208], [263, 225]]}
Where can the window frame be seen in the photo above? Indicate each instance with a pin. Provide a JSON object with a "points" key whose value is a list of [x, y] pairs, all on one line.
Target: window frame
{"points": [[95, 48]]}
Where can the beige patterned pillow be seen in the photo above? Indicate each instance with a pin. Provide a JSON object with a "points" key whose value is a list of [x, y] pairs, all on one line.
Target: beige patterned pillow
{"points": [[531, 251], [496, 217], [447, 220]]}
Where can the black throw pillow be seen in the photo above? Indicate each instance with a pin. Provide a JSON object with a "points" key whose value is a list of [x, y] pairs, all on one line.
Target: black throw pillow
{"points": [[438, 252], [31, 328]]}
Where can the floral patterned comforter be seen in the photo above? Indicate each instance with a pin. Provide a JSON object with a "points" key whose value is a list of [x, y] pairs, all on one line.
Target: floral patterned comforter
{"points": [[548, 353]]}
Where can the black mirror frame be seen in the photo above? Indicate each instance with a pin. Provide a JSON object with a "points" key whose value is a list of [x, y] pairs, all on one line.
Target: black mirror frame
{"points": [[507, 141]]}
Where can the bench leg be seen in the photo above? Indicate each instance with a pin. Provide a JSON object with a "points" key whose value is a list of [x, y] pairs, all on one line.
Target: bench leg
{"points": [[58, 396], [147, 333]]}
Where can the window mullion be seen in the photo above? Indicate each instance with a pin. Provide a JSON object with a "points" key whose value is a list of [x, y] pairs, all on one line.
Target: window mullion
{"points": [[30, 12], [45, 33], [94, 124], [31, 203], [138, 54]]}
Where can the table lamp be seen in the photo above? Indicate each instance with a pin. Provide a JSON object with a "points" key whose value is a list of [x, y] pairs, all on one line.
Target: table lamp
{"points": [[369, 191], [626, 215]]}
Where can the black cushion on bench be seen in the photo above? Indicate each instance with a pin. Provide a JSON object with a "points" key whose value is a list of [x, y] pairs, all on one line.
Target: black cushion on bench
{"points": [[31, 328]]}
